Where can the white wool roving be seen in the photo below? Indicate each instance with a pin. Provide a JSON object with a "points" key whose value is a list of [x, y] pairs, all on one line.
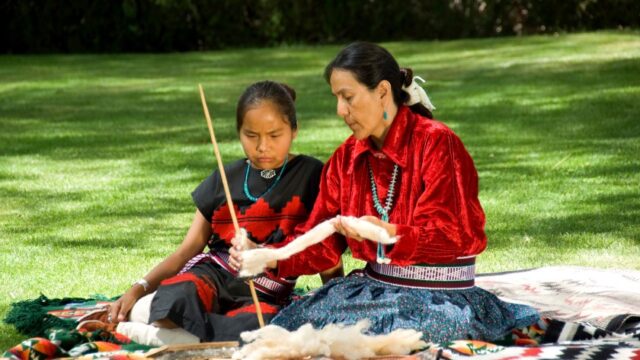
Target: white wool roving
{"points": [[346, 341], [274, 342], [368, 230], [255, 260]]}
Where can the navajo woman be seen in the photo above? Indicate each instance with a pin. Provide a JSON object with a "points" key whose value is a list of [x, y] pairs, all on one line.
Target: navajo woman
{"points": [[411, 175]]}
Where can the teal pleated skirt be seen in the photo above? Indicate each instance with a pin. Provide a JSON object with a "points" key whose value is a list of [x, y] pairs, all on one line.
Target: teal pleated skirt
{"points": [[441, 315]]}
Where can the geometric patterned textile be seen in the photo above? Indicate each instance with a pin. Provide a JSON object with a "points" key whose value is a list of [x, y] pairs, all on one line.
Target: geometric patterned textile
{"points": [[590, 314], [604, 298], [587, 350]]}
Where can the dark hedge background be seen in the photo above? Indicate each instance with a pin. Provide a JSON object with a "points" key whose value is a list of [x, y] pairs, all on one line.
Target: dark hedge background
{"points": [[32, 26]]}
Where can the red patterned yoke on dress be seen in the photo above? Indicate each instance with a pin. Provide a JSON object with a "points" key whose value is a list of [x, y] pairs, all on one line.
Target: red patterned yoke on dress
{"points": [[206, 298]]}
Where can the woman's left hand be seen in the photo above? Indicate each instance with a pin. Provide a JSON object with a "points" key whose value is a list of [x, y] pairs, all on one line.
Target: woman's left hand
{"points": [[350, 232]]}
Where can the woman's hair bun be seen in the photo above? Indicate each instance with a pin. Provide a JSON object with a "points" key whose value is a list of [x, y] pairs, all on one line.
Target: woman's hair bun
{"points": [[406, 76]]}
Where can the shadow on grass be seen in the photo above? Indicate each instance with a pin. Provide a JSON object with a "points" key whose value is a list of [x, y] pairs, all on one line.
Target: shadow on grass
{"points": [[614, 216], [519, 116]]}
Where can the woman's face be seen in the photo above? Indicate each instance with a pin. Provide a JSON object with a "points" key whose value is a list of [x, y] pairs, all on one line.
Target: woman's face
{"points": [[266, 136], [362, 109]]}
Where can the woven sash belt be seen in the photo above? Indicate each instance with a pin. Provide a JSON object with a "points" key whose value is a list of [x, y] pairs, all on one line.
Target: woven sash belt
{"points": [[457, 275], [276, 287]]}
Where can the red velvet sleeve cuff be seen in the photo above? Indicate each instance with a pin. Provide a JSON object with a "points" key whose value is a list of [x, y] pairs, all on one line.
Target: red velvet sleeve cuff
{"points": [[413, 248], [314, 259], [286, 269], [403, 249]]}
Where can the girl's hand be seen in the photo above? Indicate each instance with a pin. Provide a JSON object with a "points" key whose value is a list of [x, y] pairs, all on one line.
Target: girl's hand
{"points": [[119, 310], [239, 243]]}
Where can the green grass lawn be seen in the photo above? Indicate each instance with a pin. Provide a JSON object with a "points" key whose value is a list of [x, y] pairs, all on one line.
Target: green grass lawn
{"points": [[99, 153]]}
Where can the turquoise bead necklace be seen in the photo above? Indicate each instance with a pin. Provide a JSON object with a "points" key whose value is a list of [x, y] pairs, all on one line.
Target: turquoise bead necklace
{"points": [[383, 211], [246, 181]]}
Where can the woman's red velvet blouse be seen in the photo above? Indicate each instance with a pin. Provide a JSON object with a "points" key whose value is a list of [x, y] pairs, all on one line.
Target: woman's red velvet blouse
{"points": [[435, 208]]}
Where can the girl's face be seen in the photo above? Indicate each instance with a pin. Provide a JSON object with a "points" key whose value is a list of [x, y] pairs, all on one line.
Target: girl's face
{"points": [[361, 108], [266, 136]]}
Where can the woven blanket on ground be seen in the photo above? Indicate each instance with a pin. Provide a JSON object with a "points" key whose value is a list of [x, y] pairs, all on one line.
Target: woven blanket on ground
{"points": [[580, 350], [35, 317], [595, 315], [541, 342], [51, 325], [76, 343], [608, 299]]}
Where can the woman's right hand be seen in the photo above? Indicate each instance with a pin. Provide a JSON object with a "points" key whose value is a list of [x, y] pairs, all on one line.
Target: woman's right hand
{"points": [[343, 228], [120, 309]]}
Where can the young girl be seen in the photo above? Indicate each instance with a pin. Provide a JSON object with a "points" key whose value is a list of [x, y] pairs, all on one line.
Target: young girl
{"points": [[272, 191], [411, 175]]}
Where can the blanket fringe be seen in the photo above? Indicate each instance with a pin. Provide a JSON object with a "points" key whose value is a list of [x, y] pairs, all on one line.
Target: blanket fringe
{"points": [[30, 317]]}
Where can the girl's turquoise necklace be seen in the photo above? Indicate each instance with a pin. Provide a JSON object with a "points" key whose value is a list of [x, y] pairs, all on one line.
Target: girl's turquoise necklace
{"points": [[247, 193], [383, 211]]}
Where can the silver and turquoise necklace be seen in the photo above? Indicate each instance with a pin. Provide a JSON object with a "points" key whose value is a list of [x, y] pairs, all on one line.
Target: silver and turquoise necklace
{"points": [[383, 211], [247, 193]]}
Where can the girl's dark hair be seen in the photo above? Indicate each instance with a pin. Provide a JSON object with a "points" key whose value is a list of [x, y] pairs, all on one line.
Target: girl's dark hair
{"points": [[370, 64], [281, 95]]}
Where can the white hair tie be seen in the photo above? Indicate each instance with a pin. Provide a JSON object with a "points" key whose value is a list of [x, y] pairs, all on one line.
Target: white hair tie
{"points": [[417, 94]]}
